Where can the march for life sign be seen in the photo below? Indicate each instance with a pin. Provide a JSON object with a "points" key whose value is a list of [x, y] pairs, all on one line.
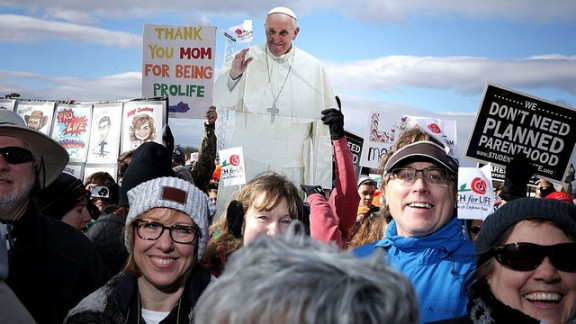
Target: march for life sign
{"points": [[243, 32], [476, 196], [233, 170], [509, 123], [384, 128], [178, 63]]}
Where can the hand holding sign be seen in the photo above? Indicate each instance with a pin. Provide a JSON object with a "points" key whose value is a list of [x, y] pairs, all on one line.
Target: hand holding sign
{"points": [[518, 173], [335, 120]]}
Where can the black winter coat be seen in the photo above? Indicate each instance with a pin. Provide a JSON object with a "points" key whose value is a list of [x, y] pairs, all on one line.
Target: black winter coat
{"points": [[484, 308], [117, 302], [52, 266], [107, 236]]}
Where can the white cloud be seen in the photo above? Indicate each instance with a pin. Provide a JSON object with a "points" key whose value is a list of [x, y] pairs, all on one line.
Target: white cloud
{"points": [[398, 11], [466, 75], [380, 11], [24, 29], [111, 87], [463, 74]]}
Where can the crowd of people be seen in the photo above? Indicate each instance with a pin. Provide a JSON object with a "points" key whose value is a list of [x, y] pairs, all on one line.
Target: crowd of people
{"points": [[150, 244]]}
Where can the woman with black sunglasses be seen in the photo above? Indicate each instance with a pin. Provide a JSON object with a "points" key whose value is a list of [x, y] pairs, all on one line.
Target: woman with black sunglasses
{"points": [[526, 265]]}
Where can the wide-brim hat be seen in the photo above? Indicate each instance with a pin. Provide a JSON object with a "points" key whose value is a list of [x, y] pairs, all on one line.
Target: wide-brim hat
{"points": [[50, 156], [426, 150], [38, 115]]}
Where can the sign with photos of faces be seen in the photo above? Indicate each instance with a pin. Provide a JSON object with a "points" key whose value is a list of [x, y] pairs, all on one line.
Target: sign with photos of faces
{"points": [[92, 132]]}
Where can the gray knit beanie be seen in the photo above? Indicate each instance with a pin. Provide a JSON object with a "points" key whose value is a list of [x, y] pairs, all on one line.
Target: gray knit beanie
{"points": [[559, 212], [175, 193]]}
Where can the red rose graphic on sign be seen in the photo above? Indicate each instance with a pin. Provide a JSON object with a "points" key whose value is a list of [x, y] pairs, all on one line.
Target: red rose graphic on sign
{"points": [[479, 186], [238, 31], [235, 159], [434, 128]]}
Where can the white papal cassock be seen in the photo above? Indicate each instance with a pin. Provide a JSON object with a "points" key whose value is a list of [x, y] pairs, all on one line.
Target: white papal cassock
{"points": [[277, 103]]}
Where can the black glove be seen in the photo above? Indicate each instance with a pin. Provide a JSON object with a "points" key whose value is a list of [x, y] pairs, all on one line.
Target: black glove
{"points": [[518, 173], [312, 190], [335, 120]]}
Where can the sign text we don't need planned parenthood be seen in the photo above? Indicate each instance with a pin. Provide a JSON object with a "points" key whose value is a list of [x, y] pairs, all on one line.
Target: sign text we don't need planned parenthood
{"points": [[510, 123]]}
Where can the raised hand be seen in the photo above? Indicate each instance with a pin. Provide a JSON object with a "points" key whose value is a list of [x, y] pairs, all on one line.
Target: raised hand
{"points": [[335, 120], [240, 64]]}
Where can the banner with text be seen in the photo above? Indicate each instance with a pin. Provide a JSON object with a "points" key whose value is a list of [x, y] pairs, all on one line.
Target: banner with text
{"points": [[384, 128], [178, 63], [476, 198], [233, 170], [243, 31], [355, 146], [510, 123], [71, 129]]}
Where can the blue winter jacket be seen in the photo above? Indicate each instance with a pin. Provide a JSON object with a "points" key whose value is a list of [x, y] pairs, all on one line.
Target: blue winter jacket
{"points": [[438, 266]]}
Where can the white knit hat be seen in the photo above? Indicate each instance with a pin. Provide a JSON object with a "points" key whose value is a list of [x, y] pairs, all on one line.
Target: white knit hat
{"points": [[174, 193]]}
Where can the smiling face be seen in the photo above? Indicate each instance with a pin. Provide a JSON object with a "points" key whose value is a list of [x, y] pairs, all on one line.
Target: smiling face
{"points": [[544, 293], [16, 180], [143, 132], [164, 264], [419, 208], [280, 32], [266, 222]]}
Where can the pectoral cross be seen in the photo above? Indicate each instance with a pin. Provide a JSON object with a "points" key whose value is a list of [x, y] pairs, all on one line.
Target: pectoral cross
{"points": [[273, 111]]}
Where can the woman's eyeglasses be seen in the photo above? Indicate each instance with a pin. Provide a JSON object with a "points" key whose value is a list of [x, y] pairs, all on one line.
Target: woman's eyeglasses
{"points": [[184, 234], [528, 256], [16, 155]]}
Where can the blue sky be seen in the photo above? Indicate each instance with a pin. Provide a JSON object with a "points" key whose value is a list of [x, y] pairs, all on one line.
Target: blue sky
{"points": [[424, 58]]}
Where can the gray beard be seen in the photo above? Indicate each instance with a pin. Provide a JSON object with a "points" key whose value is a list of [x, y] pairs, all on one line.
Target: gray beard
{"points": [[10, 203]]}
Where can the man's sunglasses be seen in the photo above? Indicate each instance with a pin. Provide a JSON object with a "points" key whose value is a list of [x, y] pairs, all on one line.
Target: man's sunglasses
{"points": [[528, 256], [16, 155]]}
